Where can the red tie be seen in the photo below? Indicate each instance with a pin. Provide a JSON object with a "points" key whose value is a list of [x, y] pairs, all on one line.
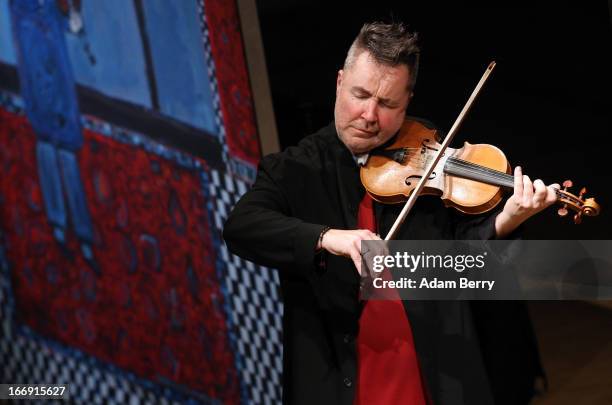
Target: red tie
{"points": [[387, 363]]}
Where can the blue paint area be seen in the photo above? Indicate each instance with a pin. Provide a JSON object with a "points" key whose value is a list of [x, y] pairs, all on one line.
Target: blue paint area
{"points": [[51, 184], [179, 62], [51, 105], [7, 48], [45, 75], [79, 215], [108, 54]]}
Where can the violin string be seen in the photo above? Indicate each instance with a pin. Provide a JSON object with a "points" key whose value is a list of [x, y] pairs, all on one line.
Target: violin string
{"points": [[477, 169], [473, 168], [468, 168]]}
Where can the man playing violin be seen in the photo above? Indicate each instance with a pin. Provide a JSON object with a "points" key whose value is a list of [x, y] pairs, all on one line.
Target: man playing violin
{"points": [[307, 214]]}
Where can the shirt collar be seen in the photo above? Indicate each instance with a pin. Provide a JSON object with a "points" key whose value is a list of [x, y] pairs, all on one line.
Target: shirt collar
{"points": [[361, 159]]}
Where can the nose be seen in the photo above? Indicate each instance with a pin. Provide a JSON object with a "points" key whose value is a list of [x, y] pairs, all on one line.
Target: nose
{"points": [[370, 113]]}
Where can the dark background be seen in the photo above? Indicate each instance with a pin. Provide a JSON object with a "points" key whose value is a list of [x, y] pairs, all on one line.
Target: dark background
{"points": [[545, 105]]}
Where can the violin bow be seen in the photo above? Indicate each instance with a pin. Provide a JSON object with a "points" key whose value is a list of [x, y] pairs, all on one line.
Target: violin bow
{"points": [[449, 137]]}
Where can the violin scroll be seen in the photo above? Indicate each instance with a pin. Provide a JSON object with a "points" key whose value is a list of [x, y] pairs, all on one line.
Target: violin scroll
{"points": [[582, 206]]}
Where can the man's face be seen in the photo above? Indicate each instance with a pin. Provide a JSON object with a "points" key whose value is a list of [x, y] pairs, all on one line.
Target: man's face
{"points": [[371, 101]]}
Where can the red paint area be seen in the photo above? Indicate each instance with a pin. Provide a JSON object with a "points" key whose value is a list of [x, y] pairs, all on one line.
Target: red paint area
{"points": [[156, 308], [232, 80]]}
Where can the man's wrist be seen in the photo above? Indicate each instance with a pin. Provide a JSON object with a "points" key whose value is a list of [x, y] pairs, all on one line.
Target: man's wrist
{"points": [[504, 224], [320, 241]]}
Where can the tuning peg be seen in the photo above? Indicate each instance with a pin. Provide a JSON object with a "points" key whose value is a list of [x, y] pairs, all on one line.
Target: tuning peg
{"points": [[563, 210], [578, 218], [583, 206]]}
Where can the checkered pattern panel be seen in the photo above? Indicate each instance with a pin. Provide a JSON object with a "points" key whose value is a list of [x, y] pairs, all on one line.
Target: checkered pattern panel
{"points": [[29, 360], [255, 304]]}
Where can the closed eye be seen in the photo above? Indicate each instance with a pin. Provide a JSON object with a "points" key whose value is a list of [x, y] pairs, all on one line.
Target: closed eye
{"points": [[388, 104], [360, 95]]}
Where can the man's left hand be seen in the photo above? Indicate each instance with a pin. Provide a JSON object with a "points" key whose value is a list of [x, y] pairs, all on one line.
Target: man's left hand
{"points": [[528, 199]]}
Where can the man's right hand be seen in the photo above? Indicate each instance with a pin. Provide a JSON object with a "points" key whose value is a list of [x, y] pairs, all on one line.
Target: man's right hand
{"points": [[348, 244]]}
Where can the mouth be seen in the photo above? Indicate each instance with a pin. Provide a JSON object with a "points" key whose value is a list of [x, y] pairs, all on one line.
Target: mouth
{"points": [[363, 131]]}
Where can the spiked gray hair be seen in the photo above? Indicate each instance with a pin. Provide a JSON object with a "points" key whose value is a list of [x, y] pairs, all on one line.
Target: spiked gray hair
{"points": [[389, 44]]}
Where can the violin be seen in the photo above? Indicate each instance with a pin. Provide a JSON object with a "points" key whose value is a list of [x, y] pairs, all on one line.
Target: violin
{"points": [[470, 179]]}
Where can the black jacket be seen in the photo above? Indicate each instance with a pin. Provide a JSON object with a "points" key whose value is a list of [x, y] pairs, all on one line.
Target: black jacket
{"points": [[467, 354]]}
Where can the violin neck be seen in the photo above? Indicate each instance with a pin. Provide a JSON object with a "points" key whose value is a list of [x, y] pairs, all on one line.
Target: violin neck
{"points": [[472, 171]]}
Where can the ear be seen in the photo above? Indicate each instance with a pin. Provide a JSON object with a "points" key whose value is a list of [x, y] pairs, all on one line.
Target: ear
{"points": [[339, 80], [410, 95]]}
